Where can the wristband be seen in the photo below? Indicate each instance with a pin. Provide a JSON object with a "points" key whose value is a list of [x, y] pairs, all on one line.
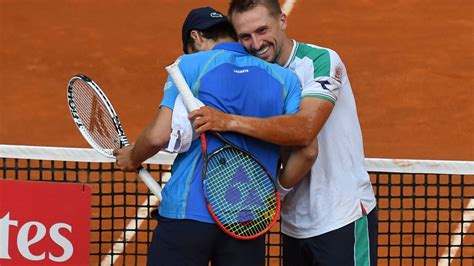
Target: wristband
{"points": [[282, 190]]}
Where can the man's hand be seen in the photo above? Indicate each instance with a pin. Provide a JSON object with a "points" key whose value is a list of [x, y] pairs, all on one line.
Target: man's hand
{"points": [[207, 118], [124, 159]]}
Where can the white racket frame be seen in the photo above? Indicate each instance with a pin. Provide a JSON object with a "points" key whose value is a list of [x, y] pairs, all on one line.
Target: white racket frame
{"points": [[149, 181]]}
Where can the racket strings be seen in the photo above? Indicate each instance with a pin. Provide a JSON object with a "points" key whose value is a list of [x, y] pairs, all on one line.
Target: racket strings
{"points": [[95, 117], [240, 192]]}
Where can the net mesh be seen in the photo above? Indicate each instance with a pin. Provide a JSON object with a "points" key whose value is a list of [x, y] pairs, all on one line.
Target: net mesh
{"points": [[425, 207]]}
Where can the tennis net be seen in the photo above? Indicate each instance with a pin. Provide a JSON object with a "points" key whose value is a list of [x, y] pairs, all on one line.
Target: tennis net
{"points": [[425, 208]]}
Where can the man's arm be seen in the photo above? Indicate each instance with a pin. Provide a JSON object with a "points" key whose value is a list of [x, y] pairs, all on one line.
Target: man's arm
{"points": [[298, 129], [299, 164], [151, 140], [296, 167]]}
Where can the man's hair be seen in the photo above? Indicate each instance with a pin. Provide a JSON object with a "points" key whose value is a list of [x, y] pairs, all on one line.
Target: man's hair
{"points": [[218, 31], [240, 6]]}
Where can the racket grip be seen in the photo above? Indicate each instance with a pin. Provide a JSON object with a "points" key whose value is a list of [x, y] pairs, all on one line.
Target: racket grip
{"points": [[150, 182], [183, 88]]}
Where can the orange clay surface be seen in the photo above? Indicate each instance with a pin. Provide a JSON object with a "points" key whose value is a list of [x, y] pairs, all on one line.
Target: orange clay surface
{"points": [[410, 64]]}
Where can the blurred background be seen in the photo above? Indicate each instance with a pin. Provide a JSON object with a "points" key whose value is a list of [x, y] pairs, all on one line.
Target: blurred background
{"points": [[411, 66]]}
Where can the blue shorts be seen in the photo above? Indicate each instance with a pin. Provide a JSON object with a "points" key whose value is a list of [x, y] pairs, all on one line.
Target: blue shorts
{"points": [[192, 243], [353, 244]]}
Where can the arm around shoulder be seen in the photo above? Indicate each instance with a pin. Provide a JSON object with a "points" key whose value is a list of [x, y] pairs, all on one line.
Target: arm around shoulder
{"points": [[298, 129]]}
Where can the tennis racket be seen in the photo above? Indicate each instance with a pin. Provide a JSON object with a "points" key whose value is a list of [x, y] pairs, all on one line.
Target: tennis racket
{"points": [[239, 191], [98, 122]]}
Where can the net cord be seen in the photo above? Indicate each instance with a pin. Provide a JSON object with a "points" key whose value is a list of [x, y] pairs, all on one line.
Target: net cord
{"points": [[372, 164], [71, 154]]}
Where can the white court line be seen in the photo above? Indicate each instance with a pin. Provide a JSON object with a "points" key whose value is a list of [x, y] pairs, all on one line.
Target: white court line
{"points": [[129, 232], [456, 239], [288, 6], [118, 247]]}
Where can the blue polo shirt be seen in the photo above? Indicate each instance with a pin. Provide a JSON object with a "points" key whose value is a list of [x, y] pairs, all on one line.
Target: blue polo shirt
{"points": [[231, 80]]}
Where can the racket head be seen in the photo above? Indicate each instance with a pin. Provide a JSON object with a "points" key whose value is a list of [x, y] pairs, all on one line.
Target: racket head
{"points": [[240, 193], [94, 115]]}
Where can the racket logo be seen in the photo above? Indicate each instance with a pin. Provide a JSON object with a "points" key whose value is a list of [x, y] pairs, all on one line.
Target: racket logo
{"points": [[233, 195], [72, 107], [96, 120], [121, 134]]}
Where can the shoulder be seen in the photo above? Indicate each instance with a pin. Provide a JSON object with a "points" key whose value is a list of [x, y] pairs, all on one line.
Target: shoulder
{"points": [[314, 52], [194, 65], [318, 55], [317, 61], [194, 60], [280, 72]]}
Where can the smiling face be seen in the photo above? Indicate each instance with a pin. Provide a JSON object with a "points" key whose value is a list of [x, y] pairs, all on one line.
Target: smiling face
{"points": [[263, 34]]}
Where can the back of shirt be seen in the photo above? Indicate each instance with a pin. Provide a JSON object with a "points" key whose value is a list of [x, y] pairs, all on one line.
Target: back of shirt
{"points": [[228, 79]]}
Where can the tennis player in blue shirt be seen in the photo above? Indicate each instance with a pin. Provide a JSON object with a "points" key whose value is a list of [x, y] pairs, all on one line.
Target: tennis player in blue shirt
{"points": [[223, 75]]}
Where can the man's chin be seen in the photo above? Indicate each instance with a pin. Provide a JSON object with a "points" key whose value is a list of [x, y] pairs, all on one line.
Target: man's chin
{"points": [[266, 57]]}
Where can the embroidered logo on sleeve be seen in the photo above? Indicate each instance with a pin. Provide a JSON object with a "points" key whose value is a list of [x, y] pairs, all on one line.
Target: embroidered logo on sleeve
{"points": [[338, 73], [329, 84], [168, 85], [323, 84]]}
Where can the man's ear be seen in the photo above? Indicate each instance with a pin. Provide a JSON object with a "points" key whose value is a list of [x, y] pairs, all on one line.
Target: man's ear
{"points": [[196, 36], [283, 21]]}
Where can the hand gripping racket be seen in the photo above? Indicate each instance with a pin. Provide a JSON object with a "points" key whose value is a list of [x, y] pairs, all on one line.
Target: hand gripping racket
{"points": [[96, 119], [239, 191]]}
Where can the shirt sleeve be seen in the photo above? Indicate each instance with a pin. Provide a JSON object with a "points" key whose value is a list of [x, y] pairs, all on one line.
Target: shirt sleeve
{"points": [[170, 91], [324, 78]]}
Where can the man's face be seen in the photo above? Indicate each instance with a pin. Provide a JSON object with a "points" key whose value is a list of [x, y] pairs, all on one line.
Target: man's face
{"points": [[261, 33]]}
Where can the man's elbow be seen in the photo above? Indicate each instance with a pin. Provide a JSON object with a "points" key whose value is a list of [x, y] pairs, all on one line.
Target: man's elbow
{"points": [[302, 139], [305, 140], [158, 140], [305, 133], [310, 151]]}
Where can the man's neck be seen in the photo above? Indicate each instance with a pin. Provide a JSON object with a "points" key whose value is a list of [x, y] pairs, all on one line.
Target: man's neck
{"points": [[285, 52], [220, 40]]}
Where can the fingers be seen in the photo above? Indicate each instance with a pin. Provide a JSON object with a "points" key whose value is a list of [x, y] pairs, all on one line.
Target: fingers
{"points": [[195, 114], [201, 125], [207, 118], [204, 111], [199, 118], [202, 128], [125, 166], [116, 152], [123, 160]]}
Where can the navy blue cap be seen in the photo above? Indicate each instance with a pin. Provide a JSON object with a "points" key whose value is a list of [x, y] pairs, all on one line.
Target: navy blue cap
{"points": [[200, 19]]}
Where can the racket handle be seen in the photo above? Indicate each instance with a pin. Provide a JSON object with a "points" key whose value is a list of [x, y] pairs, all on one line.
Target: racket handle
{"points": [[183, 88], [150, 182]]}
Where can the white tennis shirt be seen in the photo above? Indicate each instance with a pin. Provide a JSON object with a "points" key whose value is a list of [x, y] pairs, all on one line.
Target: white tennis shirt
{"points": [[339, 188]]}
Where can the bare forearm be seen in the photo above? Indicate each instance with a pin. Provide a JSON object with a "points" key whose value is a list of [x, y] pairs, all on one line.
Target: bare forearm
{"points": [[144, 147], [153, 138], [282, 130], [299, 164], [297, 129]]}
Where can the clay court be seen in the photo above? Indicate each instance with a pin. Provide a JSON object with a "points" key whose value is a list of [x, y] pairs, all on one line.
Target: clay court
{"points": [[411, 66]]}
